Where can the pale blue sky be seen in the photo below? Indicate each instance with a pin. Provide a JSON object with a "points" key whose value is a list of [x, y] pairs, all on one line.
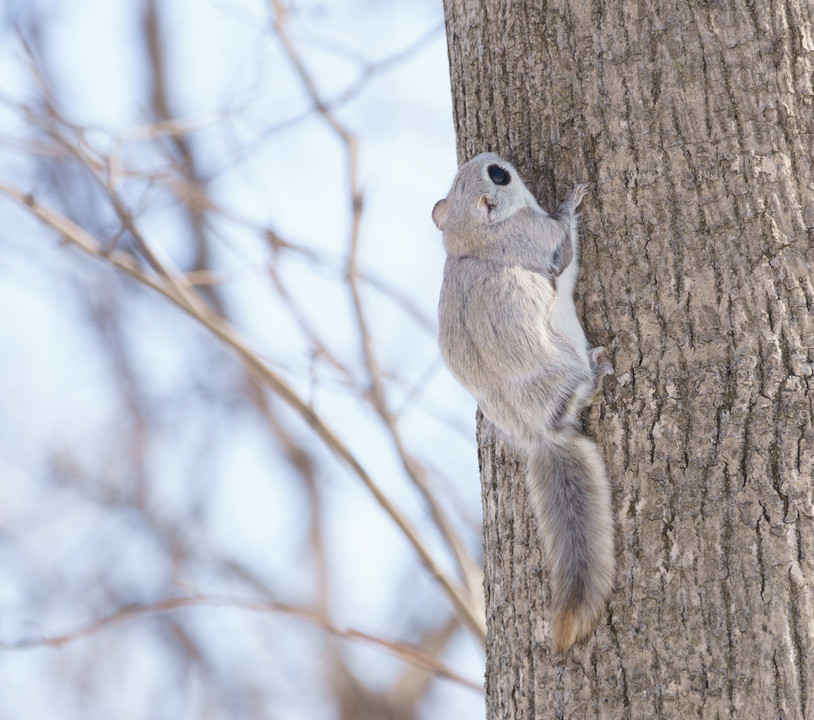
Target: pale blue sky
{"points": [[55, 391]]}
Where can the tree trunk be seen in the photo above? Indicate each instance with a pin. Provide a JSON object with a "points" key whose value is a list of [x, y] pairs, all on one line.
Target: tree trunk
{"points": [[693, 122]]}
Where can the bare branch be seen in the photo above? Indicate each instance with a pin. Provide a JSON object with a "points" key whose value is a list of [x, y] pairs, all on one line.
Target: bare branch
{"points": [[129, 613], [469, 569]]}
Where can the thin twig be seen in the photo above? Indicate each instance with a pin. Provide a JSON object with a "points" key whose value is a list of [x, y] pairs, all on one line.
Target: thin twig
{"points": [[129, 613], [470, 571]]}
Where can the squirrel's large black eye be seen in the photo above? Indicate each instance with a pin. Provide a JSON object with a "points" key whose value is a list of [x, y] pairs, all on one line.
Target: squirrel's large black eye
{"points": [[498, 175]]}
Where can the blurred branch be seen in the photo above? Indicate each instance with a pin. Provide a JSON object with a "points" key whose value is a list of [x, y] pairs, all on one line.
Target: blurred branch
{"points": [[412, 684], [187, 166], [156, 453], [369, 71], [372, 69], [109, 171], [469, 570], [407, 653], [180, 292]]}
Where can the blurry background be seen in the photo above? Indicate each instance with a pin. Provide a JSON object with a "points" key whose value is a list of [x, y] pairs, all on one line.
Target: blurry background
{"points": [[254, 495]]}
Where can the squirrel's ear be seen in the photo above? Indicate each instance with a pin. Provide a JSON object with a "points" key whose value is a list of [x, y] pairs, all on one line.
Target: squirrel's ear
{"points": [[439, 213]]}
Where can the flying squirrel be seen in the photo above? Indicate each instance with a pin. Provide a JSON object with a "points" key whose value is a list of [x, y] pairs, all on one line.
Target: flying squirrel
{"points": [[509, 332]]}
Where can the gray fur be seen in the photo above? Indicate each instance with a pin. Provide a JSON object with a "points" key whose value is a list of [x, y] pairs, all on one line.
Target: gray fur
{"points": [[509, 333]]}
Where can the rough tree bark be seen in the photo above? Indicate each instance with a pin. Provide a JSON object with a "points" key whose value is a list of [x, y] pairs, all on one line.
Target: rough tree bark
{"points": [[695, 123]]}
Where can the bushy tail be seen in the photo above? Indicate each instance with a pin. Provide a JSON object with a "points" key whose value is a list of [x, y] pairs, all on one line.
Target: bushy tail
{"points": [[569, 493]]}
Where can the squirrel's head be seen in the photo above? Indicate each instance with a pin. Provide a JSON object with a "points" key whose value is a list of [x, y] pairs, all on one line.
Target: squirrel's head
{"points": [[487, 190]]}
